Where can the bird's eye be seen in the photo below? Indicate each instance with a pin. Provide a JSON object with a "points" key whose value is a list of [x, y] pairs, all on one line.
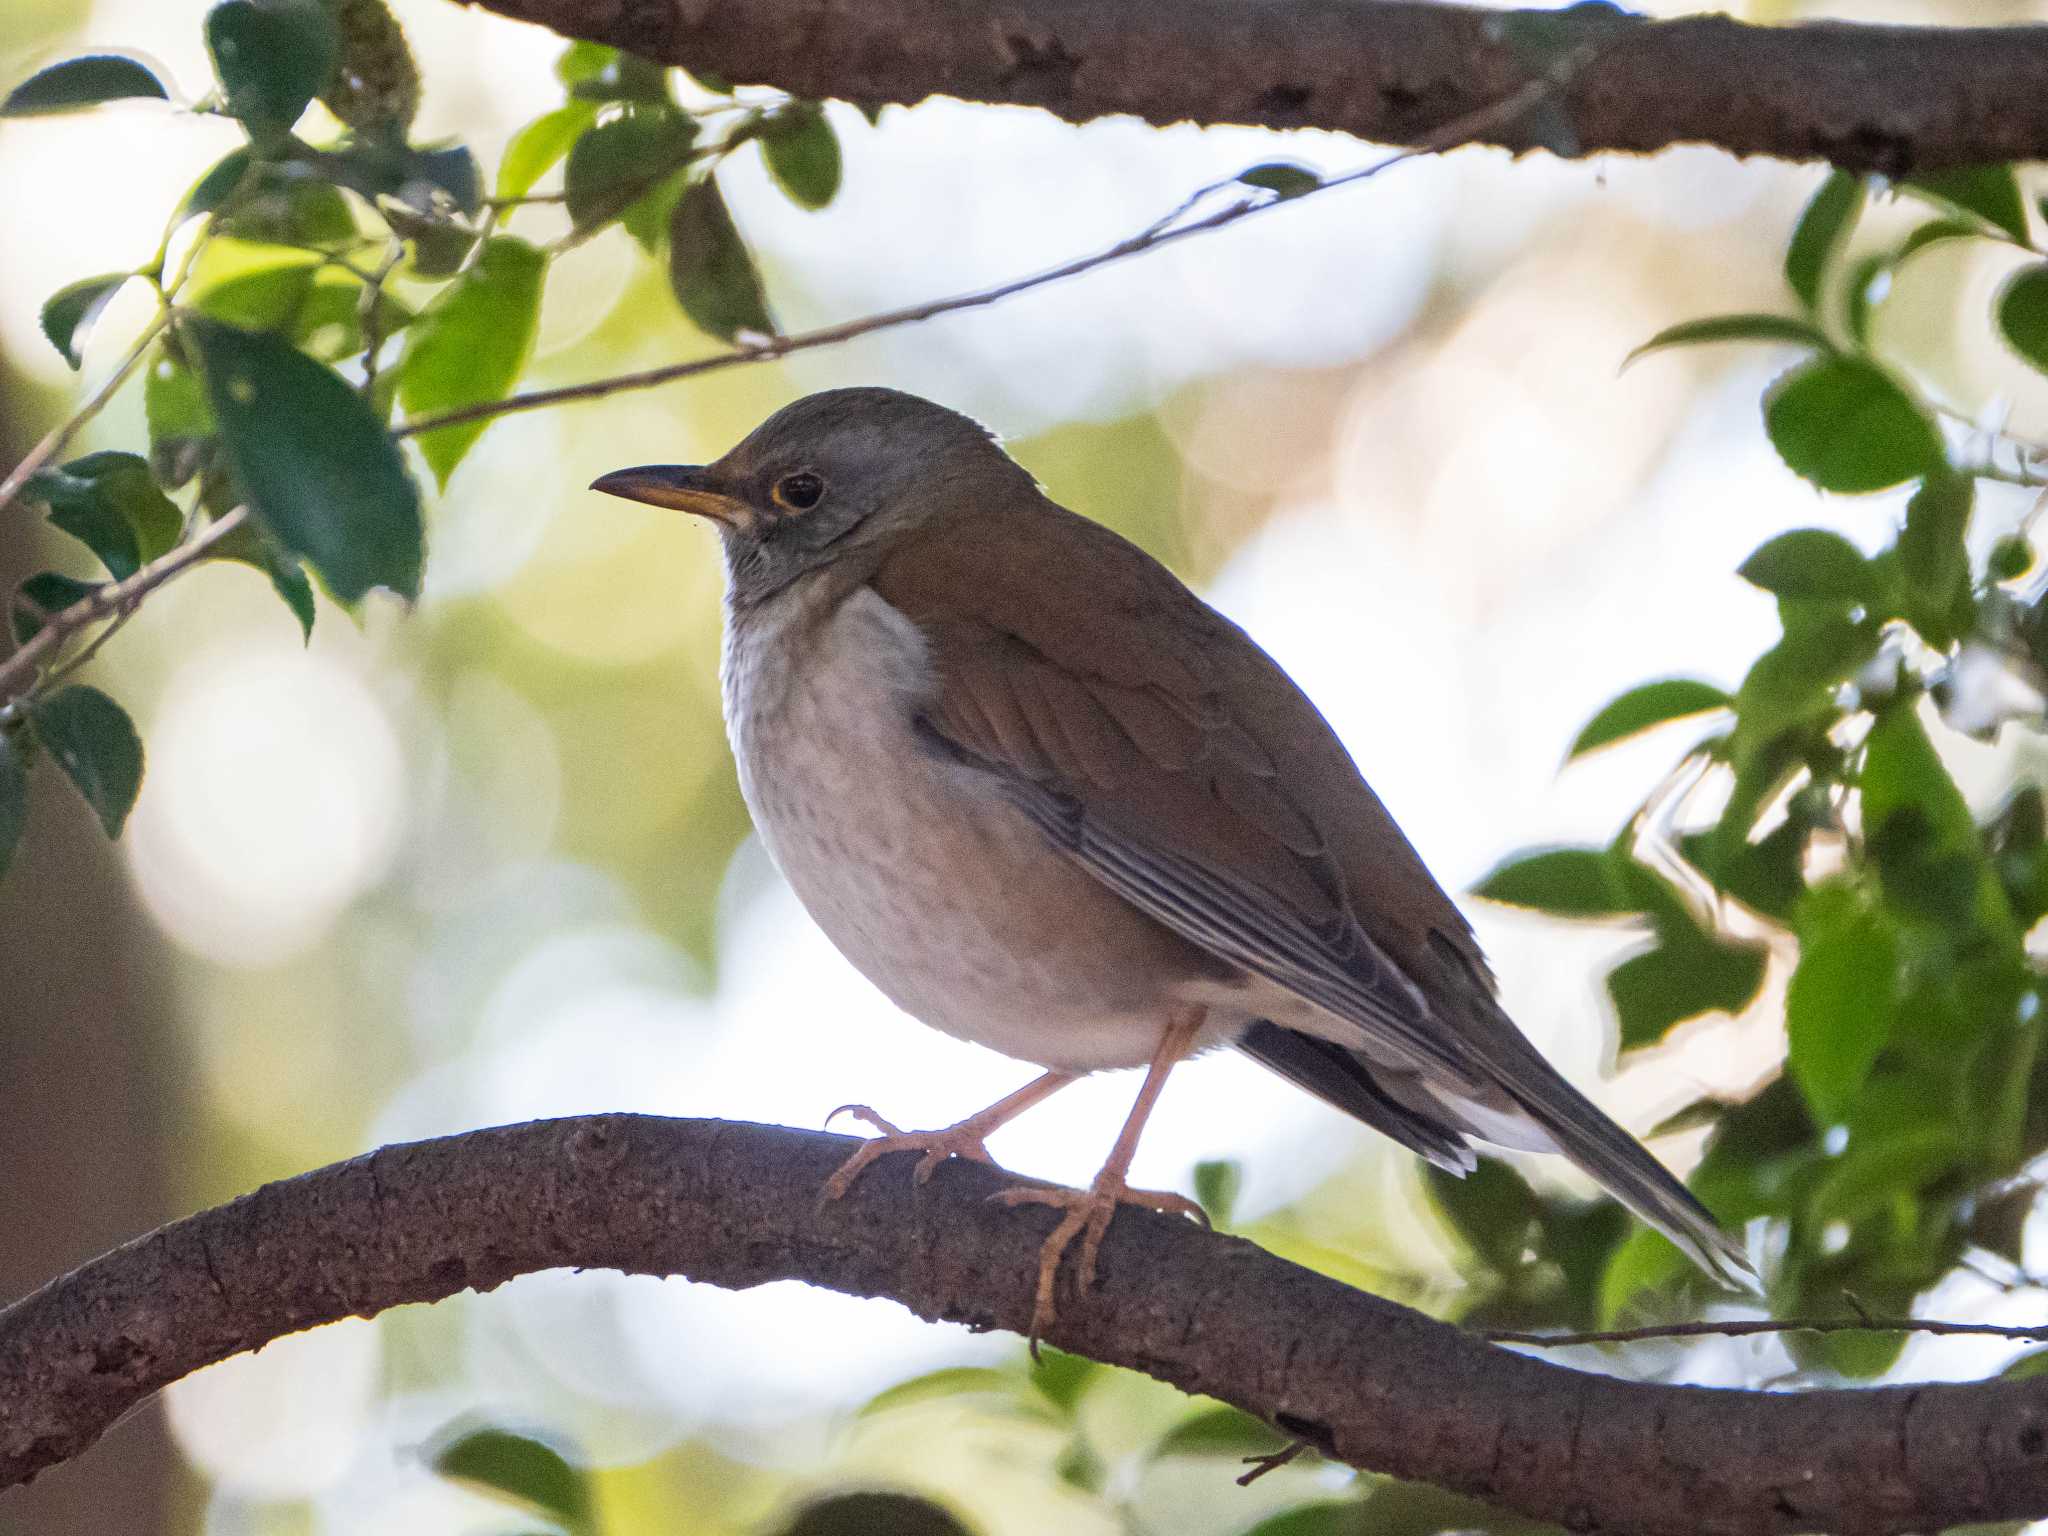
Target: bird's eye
{"points": [[800, 491]]}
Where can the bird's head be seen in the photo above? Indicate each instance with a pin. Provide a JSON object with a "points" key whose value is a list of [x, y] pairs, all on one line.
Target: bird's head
{"points": [[844, 470]]}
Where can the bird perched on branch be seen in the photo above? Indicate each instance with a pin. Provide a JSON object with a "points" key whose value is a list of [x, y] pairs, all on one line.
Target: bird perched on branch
{"points": [[1049, 800]]}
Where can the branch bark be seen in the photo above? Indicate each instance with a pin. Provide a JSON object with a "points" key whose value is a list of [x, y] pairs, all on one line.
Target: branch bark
{"points": [[1881, 98], [736, 1205]]}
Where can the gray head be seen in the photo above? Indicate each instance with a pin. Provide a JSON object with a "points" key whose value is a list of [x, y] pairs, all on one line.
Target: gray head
{"points": [[833, 472]]}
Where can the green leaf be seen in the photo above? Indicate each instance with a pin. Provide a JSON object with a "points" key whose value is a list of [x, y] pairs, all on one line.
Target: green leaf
{"points": [[1062, 1378], [250, 545], [1282, 178], [1645, 707], [1937, 230], [622, 77], [82, 82], [94, 742], [2010, 559], [1794, 682], [1935, 560], [1901, 771], [470, 345], [110, 503], [13, 798], [1867, 285], [873, 1512], [73, 307], [647, 220], [44, 594], [315, 466], [1217, 1182], [272, 57], [1991, 192], [583, 61], [2023, 314], [536, 148], [1567, 882], [1687, 974], [623, 159], [1338, 1517], [1218, 1431], [1846, 425], [803, 152], [265, 299], [710, 269], [374, 86], [1824, 225], [1492, 1208], [1692, 333], [1838, 1009], [522, 1469], [174, 401], [1767, 875], [952, 1381], [419, 178], [1809, 562]]}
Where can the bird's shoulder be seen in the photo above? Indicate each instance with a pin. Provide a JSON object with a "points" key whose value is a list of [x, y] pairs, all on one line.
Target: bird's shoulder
{"points": [[1063, 653]]}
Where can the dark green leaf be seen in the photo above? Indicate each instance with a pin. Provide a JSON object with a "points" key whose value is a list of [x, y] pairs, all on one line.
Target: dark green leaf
{"points": [[1838, 1010], [1901, 770], [1691, 333], [272, 57], [1809, 562], [82, 82], [1935, 231], [110, 503], [250, 545], [1846, 425], [215, 187], [2010, 559], [1343, 1517], [2023, 314], [1683, 976], [710, 269], [1217, 1181], [1492, 1208], [622, 160], [536, 148], [13, 798], [1568, 882], [95, 744], [272, 202], [72, 309], [42, 595], [429, 182], [803, 152], [1766, 875], [1795, 681], [1935, 560], [265, 299], [1828, 218], [316, 467], [873, 1513], [1282, 178], [470, 345], [520, 1468], [1991, 192], [647, 220], [1644, 707], [1218, 1431]]}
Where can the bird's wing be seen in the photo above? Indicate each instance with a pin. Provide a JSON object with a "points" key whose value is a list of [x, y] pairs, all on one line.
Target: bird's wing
{"points": [[1160, 748]]}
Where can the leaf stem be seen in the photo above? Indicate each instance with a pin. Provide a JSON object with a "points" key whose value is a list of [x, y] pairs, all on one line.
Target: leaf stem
{"points": [[59, 437]]}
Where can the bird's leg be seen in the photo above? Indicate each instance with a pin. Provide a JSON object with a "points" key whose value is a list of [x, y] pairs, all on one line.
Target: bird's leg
{"points": [[967, 1139], [1088, 1212]]}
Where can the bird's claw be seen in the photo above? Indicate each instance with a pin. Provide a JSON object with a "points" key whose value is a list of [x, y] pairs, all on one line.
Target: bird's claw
{"points": [[937, 1146], [1087, 1215]]}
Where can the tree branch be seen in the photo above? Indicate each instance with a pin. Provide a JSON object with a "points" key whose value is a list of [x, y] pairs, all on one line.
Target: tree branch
{"points": [[737, 1205], [1883, 98]]}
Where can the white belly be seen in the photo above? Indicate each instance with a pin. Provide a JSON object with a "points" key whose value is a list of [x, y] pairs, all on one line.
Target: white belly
{"points": [[914, 871]]}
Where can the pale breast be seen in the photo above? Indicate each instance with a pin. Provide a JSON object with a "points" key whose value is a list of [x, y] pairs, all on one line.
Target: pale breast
{"points": [[933, 886]]}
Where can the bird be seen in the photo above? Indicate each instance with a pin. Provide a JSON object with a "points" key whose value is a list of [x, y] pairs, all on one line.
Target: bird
{"points": [[1048, 800]]}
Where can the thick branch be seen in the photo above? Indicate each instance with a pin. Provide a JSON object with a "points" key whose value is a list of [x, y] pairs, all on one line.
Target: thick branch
{"points": [[1892, 99], [737, 1205]]}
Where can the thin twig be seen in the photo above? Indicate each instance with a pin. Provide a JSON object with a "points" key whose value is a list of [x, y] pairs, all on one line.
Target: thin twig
{"points": [[59, 437], [1750, 1327], [1160, 233], [114, 597]]}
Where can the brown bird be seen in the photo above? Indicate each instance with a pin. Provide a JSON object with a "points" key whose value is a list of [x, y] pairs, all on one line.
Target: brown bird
{"points": [[1049, 800]]}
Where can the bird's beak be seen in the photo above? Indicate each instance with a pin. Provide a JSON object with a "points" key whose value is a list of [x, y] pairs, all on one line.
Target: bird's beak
{"points": [[693, 488]]}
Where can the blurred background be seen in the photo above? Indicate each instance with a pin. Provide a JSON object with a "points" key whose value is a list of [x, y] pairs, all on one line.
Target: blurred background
{"points": [[487, 861]]}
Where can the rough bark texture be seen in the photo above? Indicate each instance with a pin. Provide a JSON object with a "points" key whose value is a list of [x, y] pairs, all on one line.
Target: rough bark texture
{"points": [[736, 1205], [1892, 99]]}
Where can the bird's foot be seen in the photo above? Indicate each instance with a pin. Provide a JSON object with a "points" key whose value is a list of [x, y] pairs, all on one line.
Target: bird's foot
{"points": [[1088, 1213], [962, 1140]]}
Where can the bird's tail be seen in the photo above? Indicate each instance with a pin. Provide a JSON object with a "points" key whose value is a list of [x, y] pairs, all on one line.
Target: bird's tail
{"points": [[1624, 1167]]}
